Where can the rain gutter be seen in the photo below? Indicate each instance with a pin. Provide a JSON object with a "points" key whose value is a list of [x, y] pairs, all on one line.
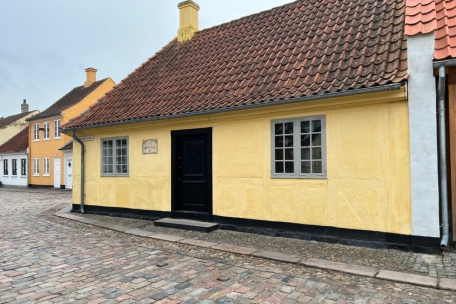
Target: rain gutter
{"points": [[444, 63], [82, 170], [442, 156], [384, 88]]}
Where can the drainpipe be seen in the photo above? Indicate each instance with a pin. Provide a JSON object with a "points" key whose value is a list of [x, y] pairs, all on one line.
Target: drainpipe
{"points": [[82, 170], [442, 158]]}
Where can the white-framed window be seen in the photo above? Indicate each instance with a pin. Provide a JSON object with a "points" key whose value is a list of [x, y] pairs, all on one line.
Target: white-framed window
{"points": [[5, 167], [46, 130], [36, 167], [114, 156], [36, 132], [298, 147], [56, 129], [14, 167], [46, 166], [23, 167]]}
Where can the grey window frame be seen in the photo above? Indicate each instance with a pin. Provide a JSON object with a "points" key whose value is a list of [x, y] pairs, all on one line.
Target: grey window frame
{"points": [[14, 167], [23, 167], [114, 156], [5, 167], [297, 148]]}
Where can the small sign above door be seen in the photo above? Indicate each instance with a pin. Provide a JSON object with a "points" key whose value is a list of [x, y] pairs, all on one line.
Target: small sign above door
{"points": [[150, 146]]}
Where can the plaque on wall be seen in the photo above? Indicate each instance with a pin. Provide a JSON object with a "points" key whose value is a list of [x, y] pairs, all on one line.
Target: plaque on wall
{"points": [[150, 146]]}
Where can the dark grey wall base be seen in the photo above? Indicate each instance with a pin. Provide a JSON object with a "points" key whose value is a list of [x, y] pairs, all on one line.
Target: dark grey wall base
{"points": [[370, 239], [40, 186], [62, 187]]}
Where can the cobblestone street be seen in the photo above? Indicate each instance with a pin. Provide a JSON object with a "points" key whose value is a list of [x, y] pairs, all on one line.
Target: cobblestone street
{"points": [[45, 259]]}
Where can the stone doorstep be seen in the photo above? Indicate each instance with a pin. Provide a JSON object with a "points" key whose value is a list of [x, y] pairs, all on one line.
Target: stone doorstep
{"points": [[341, 267], [443, 283], [186, 225], [407, 278]]}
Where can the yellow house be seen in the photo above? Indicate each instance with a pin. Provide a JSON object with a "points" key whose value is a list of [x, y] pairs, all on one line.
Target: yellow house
{"points": [[48, 165], [294, 122], [12, 125]]}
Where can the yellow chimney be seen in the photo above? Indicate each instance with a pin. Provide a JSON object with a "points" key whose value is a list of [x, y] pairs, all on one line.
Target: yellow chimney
{"points": [[91, 77], [188, 20]]}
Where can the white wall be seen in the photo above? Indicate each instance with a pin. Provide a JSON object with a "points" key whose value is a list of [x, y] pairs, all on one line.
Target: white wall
{"points": [[423, 136], [10, 180]]}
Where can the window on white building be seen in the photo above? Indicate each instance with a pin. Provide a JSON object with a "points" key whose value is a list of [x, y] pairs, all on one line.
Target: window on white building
{"points": [[5, 167], [14, 167], [23, 167]]}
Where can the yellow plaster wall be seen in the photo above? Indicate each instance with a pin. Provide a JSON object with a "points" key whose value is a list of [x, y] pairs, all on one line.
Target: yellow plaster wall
{"points": [[368, 183], [11, 130], [50, 148]]}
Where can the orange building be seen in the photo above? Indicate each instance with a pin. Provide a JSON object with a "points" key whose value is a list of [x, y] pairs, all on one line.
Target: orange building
{"points": [[49, 165]]}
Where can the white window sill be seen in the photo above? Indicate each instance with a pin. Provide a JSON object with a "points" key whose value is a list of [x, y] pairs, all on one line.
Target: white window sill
{"points": [[36, 174], [45, 139], [23, 176], [56, 137], [46, 175], [36, 140], [14, 176]]}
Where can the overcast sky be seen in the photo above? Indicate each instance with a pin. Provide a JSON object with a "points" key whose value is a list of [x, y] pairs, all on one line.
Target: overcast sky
{"points": [[46, 45]]}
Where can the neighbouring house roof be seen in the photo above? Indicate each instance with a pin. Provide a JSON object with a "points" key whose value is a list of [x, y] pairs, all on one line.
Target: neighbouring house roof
{"points": [[6, 121], [67, 146], [73, 97], [17, 143], [304, 48], [439, 16]]}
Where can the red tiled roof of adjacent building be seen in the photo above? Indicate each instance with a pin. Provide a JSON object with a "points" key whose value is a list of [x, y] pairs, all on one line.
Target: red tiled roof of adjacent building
{"points": [[438, 16], [70, 99], [6, 121], [67, 146], [17, 143], [304, 48]]}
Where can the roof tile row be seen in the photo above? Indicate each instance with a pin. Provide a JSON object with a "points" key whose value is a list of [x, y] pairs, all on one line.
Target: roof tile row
{"points": [[304, 48]]}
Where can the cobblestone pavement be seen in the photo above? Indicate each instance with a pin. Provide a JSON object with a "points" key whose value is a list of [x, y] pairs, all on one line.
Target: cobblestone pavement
{"points": [[442, 266], [50, 260]]}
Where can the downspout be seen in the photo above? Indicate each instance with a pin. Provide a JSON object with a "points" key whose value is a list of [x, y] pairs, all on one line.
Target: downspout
{"points": [[82, 170], [442, 158]]}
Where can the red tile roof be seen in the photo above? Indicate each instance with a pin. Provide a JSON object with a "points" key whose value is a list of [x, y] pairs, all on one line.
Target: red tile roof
{"points": [[17, 143], [6, 121], [439, 16], [70, 99], [67, 146], [304, 48]]}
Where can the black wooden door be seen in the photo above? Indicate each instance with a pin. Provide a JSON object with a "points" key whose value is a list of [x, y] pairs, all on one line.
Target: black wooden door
{"points": [[192, 172]]}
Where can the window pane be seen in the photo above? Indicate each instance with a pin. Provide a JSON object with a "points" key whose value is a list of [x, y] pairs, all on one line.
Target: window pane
{"points": [[279, 141], [289, 128], [288, 141], [279, 154], [316, 126], [305, 127], [279, 167], [317, 167], [305, 167], [278, 129], [316, 139], [289, 167], [316, 153], [305, 140], [305, 154], [289, 154]]}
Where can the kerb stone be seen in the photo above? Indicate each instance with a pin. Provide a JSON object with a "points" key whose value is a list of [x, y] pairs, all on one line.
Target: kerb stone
{"points": [[407, 278]]}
